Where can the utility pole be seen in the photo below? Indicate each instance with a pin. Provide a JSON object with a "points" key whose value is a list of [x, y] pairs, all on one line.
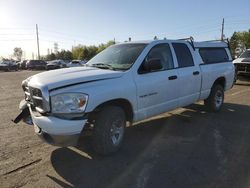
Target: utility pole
{"points": [[37, 40], [56, 47], [222, 30]]}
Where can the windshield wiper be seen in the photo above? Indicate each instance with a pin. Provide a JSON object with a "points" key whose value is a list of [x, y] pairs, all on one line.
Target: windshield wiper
{"points": [[103, 66]]}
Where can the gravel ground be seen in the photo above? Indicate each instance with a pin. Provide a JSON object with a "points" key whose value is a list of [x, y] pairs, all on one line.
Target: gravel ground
{"points": [[187, 147]]}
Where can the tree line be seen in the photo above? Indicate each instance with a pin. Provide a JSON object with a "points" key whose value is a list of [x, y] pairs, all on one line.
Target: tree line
{"points": [[80, 52]]}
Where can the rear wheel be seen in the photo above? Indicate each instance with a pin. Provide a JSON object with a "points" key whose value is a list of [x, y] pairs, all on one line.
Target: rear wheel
{"points": [[216, 98], [109, 128]]}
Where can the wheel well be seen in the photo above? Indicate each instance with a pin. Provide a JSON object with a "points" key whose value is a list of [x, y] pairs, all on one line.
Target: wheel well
{"points": [[220, 81], [123, 103]]}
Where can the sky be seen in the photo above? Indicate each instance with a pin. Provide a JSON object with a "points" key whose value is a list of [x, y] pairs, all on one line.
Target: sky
{"points": [[92, 22]]}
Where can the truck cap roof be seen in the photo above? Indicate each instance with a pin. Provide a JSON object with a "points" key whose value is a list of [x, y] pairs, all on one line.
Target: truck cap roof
{"points": [[211, 44]]}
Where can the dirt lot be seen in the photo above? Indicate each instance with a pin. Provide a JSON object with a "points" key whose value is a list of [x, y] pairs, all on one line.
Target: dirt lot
{"points": [[187, 147]]}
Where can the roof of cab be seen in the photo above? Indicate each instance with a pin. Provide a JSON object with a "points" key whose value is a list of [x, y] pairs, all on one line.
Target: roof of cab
{"points": [[201, 44]]}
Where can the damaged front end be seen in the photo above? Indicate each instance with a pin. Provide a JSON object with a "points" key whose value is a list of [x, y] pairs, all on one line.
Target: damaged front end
{"points": [[25, 114]]}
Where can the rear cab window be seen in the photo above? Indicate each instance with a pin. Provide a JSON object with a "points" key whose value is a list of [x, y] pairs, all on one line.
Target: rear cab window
{"points": [[183, 55], [213, 55]]}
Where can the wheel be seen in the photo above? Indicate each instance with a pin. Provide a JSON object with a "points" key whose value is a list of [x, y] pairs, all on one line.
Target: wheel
{"points": [[109, 127], [216, 98]]}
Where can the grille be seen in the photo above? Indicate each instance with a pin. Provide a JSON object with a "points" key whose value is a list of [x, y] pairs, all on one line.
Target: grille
{"points": [[244, 67], [33, 96]]}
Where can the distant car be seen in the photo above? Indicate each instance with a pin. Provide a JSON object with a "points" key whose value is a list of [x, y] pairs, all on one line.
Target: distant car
{"points": [[22, 64], [56, 64], [36, 65], [7, 65], [76, 63], [242, 64]]}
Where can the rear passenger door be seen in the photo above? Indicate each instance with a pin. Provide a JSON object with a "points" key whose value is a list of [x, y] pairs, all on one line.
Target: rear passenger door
{"points": [[189, 75]]}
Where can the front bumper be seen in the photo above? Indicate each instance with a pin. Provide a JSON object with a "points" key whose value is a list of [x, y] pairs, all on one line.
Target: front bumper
{"points": [[53, 130], [59, 140], [243, 73], [56, 131]]}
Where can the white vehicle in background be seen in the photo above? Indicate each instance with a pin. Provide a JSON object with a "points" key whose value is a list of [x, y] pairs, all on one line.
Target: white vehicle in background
{"points": [[76, 63], [123, 84], [242, 64]]}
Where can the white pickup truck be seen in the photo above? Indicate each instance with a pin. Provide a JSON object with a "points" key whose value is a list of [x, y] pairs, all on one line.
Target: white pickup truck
{"points": [[125, 83], [242, 64]]}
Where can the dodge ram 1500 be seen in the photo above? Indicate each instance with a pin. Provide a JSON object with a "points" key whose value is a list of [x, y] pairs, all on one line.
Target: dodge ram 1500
{"points": [[125, 83]]}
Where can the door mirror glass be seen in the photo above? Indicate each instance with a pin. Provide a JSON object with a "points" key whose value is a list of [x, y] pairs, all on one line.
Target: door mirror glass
{"points": [[154, 64], [151, 65]]}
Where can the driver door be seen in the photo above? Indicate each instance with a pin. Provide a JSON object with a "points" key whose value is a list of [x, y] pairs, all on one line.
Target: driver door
{"points": [[156, 89]]}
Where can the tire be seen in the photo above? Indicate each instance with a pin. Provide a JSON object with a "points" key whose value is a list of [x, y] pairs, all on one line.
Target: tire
{"points": [[216, 98], [109, 127]]}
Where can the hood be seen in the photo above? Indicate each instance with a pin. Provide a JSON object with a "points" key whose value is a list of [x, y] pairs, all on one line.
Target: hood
{"points": [[70, 76], [242, 60], [3, 65], [246, 60]]}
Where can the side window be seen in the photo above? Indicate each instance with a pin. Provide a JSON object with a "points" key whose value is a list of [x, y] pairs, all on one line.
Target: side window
{"points": [[213, 55], [183, 54], [160, 52]]}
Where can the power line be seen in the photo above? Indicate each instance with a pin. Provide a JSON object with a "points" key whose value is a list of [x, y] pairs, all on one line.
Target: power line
{"points": [[9, 28], [15, 34], [16, 40]]}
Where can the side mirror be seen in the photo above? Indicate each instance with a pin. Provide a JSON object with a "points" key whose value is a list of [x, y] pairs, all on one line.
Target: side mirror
{"points": [[152, 65]]}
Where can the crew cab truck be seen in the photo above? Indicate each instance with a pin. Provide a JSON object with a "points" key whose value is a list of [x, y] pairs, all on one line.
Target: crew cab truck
{"points": [[125, 83]]}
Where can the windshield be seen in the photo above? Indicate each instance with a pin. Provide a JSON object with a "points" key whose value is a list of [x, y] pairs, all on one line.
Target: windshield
{"points": [[121, 56], [246, 54]]}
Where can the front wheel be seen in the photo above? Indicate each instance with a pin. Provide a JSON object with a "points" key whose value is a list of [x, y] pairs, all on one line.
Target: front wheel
{"points": [[109, 130], [216, 98]]}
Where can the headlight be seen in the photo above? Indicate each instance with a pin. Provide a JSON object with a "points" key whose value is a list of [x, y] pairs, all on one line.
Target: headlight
{"points": [[68, 103]]}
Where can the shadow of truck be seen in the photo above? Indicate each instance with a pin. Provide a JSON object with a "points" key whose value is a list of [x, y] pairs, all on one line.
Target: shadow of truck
{"points": [[188, 149]]}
